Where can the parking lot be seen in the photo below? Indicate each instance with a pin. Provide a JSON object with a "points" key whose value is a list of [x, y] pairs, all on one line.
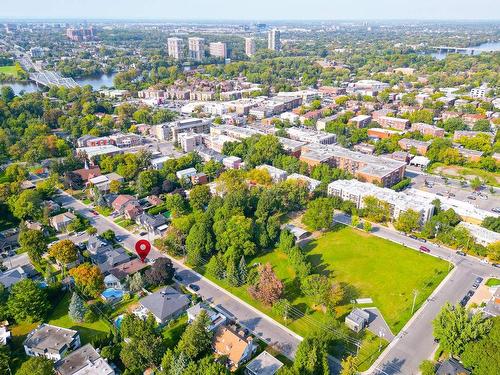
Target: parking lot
{"points": [[482, 199]]}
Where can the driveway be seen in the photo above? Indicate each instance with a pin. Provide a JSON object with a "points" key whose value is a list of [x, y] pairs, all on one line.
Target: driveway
{"points": [[377, 324]]}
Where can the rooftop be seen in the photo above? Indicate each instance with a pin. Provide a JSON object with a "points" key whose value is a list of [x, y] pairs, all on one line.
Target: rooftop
{"points": [[49, 338], [83, 361], [264, 364]]}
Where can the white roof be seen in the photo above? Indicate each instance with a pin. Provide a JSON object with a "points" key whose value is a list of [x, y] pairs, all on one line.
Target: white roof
{"points": [[99, 180], [420, 160], [482, 235], [98, 150]]}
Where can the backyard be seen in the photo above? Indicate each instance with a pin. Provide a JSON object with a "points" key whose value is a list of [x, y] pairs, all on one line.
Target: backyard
{"points": [[371, 267]]}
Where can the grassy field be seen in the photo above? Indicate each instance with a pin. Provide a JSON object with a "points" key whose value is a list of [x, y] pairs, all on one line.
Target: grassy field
{"points": [[8, 70], [493, 282], [371, 267], [456, 172], [379, 269], [59, 317]]}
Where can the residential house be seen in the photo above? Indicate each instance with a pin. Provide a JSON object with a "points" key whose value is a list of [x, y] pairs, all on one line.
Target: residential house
{"points": [[277, 175], [199, 179], [165, 304], [60, 222], [263, 364], [111, 281], [312, 184], [9, 240], [234, 346], [492, 307], [451, 367], [51, 342], [186, 174], [232, 162], [106, 260], [121, 271], [122, 201], [87, 173], [132, 211], [84, 361], [357, 319], [154, 224], [216, 318], [13, 276]]}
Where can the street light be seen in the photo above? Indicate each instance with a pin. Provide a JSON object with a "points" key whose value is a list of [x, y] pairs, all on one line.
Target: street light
{"points": [[415, 293]]}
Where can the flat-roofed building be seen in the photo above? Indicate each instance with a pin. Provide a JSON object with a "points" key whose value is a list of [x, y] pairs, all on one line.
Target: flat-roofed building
{"points": [[312, 184], [470, 134], [360, 121], [277, 175], [249, 47], [174, 48], [274, 40], [369, 168], [355, 191], [393, 122], [311, 136], [189, 141], [381, 133], [483, 236], [470, 155], [408, 144], [192, 125], [426, 129], [196, 48], [218, 49]]}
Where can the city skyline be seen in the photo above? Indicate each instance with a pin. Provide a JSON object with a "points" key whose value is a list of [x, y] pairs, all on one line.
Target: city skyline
{"points": [[257, 10]]}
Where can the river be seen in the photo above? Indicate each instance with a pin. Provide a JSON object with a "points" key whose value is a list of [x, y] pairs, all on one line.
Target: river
{"points": [[485, 47], [95, 82]]}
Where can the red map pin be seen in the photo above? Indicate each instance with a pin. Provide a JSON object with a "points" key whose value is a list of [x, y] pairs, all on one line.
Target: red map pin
{"points": [[142, 248]]}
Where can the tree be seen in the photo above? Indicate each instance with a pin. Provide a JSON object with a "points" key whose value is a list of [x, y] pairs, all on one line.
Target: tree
{"points": [[88, 279], [349, 366], [196, 339], [319, 214], [175, 363], [376, 209], [64, 251], [427, 367], [269, 288], [136, 282], [108, 235], [160, 273], [367, 226], [237, 237], [16, 173], [37, 366], [199, 197], [5, 360], [355, 220], [311, 357], [483, 356], [76, 309], [28, 205], [317, 287], [176, 204], [7, 94], [408, 221], [200, 242], [282, 307], [242, 271], [264, 151], [27, 301], [115, 187], [455, 327], [33, 242], [216, 267], [147, 181], [286, 242], [476, 183]]}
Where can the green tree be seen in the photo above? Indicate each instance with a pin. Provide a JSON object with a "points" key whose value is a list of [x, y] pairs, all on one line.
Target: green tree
{"points": [[264, 151], [455, 327], [28, 205], [476, 183], [37, 366], [199, 197], [216, 267], [5, 360], [242, 271], [376, 210], [196, 339], [286, 241], [33, 242], [136, 282], [16, 173], [147, 181], [367, 226], [349, 366], [236, 239], [311, 357], [483, 356], [176, 204], [200, 242], [282, 307], [408, 221], [427, 367], [319, 214], [76, 309], [27, 301]]}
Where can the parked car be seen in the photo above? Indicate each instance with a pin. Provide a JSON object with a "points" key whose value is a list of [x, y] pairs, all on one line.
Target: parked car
{"points": [[422, 240], [143, 233], [484, 260], [475, 285], [479, 280], [471, 197], [496, 209], [177, 277], [194, 287], [461, 253], [464, 301], [497, 265], [413, 236], [470, 293], [424, 249]]}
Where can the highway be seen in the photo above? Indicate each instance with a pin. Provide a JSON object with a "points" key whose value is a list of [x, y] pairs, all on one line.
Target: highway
{"points": [[415, 342]]}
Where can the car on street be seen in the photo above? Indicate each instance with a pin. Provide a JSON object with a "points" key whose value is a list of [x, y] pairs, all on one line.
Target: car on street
{"points": [[177, 277], [475, 285], [440, 194], [470, 293], [479, 279], [422, 239], [485, 261], [424, 249], [461, 253], [194, 287], [94, 212], [497, 265], [472, 198], [496, 209], [412, 236], [464, 301], [143, 233]]}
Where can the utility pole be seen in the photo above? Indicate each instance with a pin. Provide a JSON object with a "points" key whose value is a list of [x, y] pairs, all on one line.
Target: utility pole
{"points": [[415, 293]]}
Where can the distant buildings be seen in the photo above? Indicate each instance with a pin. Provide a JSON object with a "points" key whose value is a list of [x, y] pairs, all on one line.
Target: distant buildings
{"points": [[80, 35], [480, 92], [426, 129], [196, 48], [274, 40], [393, 122], [175, 46], [218, 49], [249, 47]]}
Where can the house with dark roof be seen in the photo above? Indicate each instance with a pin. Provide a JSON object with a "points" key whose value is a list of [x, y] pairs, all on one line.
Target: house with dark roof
{"points": [[51, 342], [12, 276], [154, 224], [108, 259], [451, 367], [357, 319], [165, 304], [84, 361]]}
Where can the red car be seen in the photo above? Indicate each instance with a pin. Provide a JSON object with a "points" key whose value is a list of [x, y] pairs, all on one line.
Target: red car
{"points": [[424, 249]]}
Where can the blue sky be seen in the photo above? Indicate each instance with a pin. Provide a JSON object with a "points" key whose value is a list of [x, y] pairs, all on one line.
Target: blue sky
{"points": [[252, 9]]}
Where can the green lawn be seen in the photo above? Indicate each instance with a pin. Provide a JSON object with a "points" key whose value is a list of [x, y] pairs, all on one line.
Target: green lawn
{"points": [[59, 317], [493, 282], [173, 331], [8, 70], [105, 211], [371, 267]]}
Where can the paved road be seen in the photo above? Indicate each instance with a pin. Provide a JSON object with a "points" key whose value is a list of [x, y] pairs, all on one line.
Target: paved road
{"points": [[263, 326], [415, 342]]}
